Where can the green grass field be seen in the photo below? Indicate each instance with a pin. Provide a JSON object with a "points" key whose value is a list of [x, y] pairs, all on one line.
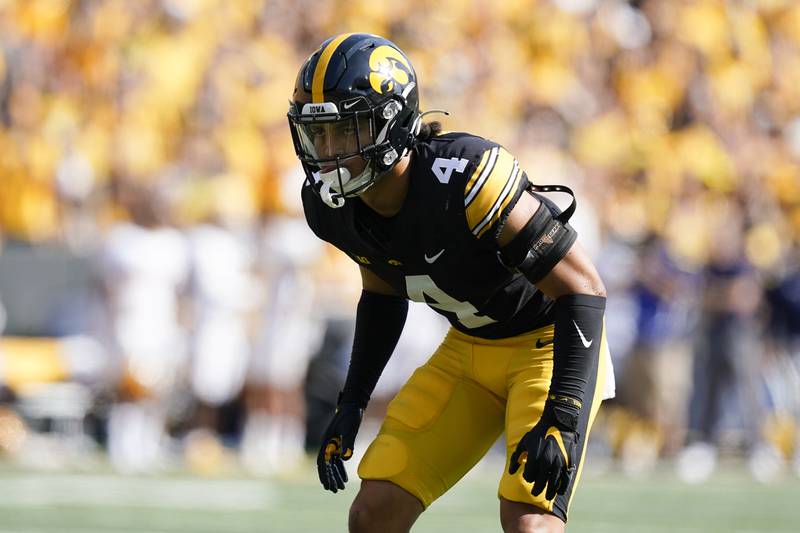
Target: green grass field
{"points": [[107, 502]]}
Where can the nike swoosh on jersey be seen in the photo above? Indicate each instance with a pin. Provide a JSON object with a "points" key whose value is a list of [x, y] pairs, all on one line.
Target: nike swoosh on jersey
{"points": [[430, 260], [348, 105], [586, 343], [541, 344]]}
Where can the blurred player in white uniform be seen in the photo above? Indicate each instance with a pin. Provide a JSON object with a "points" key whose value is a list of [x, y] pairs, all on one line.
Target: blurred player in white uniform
{"points": [[289, 335], [144, 266], [224, 292]]}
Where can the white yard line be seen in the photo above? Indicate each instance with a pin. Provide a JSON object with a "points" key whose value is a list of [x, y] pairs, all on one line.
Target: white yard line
{"points": [[173, 523], [61, 529], [598, 526], [215, 495]]}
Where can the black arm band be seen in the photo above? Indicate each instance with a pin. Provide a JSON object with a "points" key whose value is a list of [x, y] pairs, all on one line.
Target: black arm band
{"points": [[379, 321], [576, 347], [540, 245]]}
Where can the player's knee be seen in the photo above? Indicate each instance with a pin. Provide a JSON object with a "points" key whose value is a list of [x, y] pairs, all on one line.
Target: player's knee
{"points": [[363, 517], [534, 524], [368, 514], [382, 507], [522, 518]]}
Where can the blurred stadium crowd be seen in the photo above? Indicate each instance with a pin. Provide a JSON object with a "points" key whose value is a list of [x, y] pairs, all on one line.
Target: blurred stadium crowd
{"points": [[164, 300]]}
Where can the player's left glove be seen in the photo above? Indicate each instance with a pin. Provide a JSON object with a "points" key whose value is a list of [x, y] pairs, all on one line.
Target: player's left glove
{"points": [[337, 446], [551, 450]]}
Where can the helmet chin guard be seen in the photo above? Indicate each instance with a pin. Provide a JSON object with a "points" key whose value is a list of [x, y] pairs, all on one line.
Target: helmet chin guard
{"points": [[333, 182], [354, 114], [331, 198]]}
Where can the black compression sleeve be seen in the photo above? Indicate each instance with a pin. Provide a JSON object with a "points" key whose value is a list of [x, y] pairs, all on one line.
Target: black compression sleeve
{"points": [[379, 321], [576, 346]]}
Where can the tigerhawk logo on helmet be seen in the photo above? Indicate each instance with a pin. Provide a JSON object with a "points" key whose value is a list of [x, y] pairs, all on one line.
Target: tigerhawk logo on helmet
{"points": [[353, 115], [388, 67]]}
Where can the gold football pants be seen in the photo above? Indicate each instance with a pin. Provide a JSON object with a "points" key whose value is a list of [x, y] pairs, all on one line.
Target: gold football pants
{"points": [[455, 406]]}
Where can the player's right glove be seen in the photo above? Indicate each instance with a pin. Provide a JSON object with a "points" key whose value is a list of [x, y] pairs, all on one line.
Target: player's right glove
{"points": [[337, 446], [551, 450]]}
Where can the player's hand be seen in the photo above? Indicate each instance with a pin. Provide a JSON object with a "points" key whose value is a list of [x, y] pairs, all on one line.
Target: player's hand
{"points": [[337, 446], [549, 451]]}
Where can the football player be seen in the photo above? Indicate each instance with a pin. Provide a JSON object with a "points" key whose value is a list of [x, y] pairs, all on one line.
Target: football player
{"points": [[449, 219]]}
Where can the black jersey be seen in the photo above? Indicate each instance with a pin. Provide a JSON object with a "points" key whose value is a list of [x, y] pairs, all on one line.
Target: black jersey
{"points": [[440, 248]]}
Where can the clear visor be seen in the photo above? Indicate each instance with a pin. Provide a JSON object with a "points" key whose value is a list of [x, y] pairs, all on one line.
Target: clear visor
{"points": [[334, 140]]}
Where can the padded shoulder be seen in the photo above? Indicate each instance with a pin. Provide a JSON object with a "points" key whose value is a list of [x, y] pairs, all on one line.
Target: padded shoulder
{"points": [[489, 183]]}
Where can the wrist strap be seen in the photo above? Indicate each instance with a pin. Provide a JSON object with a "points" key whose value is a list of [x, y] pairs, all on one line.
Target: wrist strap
{"points": [[565, 416], [566, 401]]}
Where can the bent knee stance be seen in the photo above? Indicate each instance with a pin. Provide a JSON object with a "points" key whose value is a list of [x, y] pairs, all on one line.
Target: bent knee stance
{"points": [[381, 506], [366, 515], [516, 517]]}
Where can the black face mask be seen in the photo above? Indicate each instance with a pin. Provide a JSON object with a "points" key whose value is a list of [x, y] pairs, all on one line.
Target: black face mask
{"points": [[339, 152]]}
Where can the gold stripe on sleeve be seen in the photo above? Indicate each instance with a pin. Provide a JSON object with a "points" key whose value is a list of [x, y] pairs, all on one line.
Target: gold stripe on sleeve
{"points": [[490, 189], [479, 176], [502, 202]]}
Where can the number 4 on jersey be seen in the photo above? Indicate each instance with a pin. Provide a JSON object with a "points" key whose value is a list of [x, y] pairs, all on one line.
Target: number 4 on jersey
{"points": [[443, 168], [418, 287]]}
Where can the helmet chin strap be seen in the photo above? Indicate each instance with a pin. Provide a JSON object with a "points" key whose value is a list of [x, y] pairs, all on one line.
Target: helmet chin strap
{"points": [[331, 198], [329, 190]]}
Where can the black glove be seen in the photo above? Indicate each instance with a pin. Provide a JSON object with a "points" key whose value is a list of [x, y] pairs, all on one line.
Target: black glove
{"points": [[550, 450], [337, 446]]}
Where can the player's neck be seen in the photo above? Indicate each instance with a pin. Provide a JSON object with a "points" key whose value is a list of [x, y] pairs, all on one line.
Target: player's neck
{"points": [[388, 195]]}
